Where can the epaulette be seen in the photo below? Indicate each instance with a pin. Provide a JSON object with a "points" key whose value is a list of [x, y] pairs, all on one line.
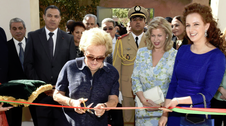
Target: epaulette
{"points": [[120, 37]]}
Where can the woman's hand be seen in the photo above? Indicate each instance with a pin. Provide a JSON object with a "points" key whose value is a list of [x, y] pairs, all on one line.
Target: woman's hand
{"points": [[150, 103], [222, 97], [147, 102], [163, 120], [77, 103], [223, 92], [98, 111], [170, 103], [4, 108], [173, 103]]}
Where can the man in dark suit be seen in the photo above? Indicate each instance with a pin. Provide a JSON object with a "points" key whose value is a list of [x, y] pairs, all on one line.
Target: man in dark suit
{"points": [[3, 57], [47, 50], [16, 47], [115, 116]]}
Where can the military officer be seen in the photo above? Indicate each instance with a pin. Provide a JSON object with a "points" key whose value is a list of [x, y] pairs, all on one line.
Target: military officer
{"points": [[124, 56]]}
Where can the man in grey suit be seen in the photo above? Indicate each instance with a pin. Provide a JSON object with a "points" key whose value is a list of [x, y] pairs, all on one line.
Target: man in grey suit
{"points": [[47, 50]]}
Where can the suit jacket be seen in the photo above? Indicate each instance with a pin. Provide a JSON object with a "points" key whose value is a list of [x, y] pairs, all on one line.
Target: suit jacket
{"points": [[38, 64], [124, 59], [15, 69], [3, 57]]}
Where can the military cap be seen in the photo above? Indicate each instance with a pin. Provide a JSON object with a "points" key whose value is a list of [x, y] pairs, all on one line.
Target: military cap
{"points": [[137, 11]]}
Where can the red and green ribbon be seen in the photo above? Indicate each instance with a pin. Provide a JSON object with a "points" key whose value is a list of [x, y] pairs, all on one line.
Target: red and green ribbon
{"points": [[209, 111], [185, 110]]}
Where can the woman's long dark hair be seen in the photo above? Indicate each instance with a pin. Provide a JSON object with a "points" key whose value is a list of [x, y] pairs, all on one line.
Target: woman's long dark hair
{"points": [[213, 33]]}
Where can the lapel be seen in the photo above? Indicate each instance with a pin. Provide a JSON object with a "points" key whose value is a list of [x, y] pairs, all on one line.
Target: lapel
{"points": [[15, 56], [26, 40], [14, 51], [42, 36], [59, 42], [131, 41], [174, 39]]}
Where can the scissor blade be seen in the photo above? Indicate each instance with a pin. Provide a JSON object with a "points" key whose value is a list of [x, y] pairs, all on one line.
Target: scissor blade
{"points": [[89, 105], [88, 110]]}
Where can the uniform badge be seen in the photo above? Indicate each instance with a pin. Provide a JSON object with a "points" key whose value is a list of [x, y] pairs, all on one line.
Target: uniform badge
{"points": [[137, 8], [127, 56]]}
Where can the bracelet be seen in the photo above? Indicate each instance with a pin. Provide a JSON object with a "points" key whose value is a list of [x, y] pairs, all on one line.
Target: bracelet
{"points": [[177, 101], [68, 102]]}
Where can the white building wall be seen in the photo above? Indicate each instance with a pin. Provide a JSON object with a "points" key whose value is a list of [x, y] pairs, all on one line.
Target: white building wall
{"points": [[219, 9], [27, 10]]}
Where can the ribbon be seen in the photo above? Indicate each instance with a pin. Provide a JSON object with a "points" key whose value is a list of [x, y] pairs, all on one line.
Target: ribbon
{"points": [[209, 111], [186, 110], [62, 106]]}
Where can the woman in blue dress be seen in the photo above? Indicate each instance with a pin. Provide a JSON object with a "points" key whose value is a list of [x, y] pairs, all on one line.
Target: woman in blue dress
{"points": [[153, 67], [199, 67], [88, 79]]}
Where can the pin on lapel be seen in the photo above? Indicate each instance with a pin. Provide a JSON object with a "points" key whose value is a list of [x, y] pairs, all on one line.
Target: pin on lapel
{"points": [[128, 49]]}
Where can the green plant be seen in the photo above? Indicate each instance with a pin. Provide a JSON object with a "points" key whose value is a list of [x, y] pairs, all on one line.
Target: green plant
{"points": [[70, 9]]}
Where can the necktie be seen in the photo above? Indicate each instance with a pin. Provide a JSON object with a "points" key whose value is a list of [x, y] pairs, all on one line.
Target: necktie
{"points": [[50, 41], [21, 54], [136, 41]]}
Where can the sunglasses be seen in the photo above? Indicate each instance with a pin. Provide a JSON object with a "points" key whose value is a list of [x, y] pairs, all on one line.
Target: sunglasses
{"points": [[98, 59], [110, 28]]}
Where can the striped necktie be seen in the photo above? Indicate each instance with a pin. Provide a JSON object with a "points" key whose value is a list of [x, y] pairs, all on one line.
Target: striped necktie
{"points": [[21, 54]]}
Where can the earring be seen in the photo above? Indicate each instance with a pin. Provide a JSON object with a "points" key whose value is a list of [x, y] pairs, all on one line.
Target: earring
{"points": [[206, 33]]}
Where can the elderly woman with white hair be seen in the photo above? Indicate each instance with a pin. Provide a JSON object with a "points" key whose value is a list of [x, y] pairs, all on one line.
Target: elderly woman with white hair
{"points": [[89, 81]]}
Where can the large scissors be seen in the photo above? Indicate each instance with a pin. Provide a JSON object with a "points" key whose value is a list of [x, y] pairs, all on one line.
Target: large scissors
{"points": [[88, 110]]}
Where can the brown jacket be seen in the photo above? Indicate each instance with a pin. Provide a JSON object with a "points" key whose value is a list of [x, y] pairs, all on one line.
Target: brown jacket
{"points": [[123, 60]]}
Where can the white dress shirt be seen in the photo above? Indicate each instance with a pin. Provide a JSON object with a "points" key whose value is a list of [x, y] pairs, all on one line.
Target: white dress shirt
{"points": [[139, 37], [17, 46]]}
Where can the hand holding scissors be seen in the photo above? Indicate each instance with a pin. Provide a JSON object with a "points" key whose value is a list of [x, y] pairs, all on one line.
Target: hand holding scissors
{"points": [[77, 103]]}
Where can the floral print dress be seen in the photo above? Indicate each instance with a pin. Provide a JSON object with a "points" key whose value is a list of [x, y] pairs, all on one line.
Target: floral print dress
{"points": [[145, 77]]}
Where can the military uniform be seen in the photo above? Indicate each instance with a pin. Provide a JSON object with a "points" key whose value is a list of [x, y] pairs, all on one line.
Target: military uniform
{"points": [[123, 60]]}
